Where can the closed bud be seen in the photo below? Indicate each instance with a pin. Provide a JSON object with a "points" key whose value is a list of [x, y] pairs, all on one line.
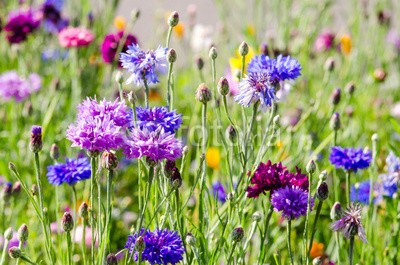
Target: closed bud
{"points": [[54, 152], [23, 233], [140, 244], [34, 190], [173, 19], [311, 167], [36, 143], [83, 210], [322, 191], [171, 56], [67, 222], [335, 123], [336, 211], [379, 75], [203, 94], [256, 217], [119, 77], [264, 50], [322, 176], [237, 234], [190, 239], [135, 14], [375, 137], [109, 160], [7, 192], [185, 150], [243, 49], [12, 166], [223, 86], [176, 179], [276, 121], [169, 167], [132, 98], [350, 88], [15, 252], [8, 234], [199, 63], [329, 64], [232, 133], [335, 97], [317, 261], [230, 196], [111, 259], [16, 188], [213, 53]]}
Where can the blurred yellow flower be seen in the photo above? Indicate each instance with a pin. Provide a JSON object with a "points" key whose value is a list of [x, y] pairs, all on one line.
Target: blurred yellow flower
{"points": [[250, 30], [236, 61], [279, 144], [154, 95], [119, 22], [213, 157], [346, 44], [317, 249], [179, 30]]}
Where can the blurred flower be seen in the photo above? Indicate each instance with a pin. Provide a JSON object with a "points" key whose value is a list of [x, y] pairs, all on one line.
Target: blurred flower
{"points": [[236, 61], [270, 177], [350, 158], [72, 171], [154, 95], [88, 236], [161, 246], [324, 41], [232, 81], [291, 201], [360, 192], [14, 86], [110, 45], [51, 16], [213, 157], [317, 249], [75, 37], [154, 145], [100, 125], [120, 23], [219, 191], [14, 242], [20, 24], [158, 117], [179, 30], [395, 110], [346, 44], [53, 55], [379, 75], [390, 180], [350, 223], [144, 64], [393, 37], [201, 39]]}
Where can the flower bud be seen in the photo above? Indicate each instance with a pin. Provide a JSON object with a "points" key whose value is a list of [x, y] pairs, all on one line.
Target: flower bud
{"points": [[264, 50], [311, 167], [199, 63], [119, 77], [173, 19], [176, 179], [336, 211], [140, 244], [7, 192], [83, 210], [169, 167], [317, 261], [132, 98], [54, 152], [243, 49], [15, 252], [322, 191], [190, 239], [237, 234], [223, 86], [34, 190], [16, 188], [135, 14], [375, 137], [379, 75], [213, 53], [8, 234], [23, 233], [36, 139], [230, 196], [109, 160], [350, 88], [335, 123], [329, 64], [12, 166], [67, 222], [203, 94], [171, 56], [276, 121], [322, 175], [111, 259], [232, 133], [256, 217], [185, 150], [335, 97]]}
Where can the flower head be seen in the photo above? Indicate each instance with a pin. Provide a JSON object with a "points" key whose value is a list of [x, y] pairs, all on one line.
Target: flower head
{"points": [[161, 246], [14, 86], [144, 64], [350, 158], [75, 37], [20, 24], [100, 125], [51, 16], [213, 157], [110, 45], [219, 191], [72, 171], [350, 223], [291, 201], [324, 41], [390, 180], [360, 192], [157, 117], [154, 145]]}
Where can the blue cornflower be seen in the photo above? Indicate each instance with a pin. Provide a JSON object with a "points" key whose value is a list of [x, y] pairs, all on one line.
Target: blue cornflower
{"points": [[144, 64], [158, 117], [72, 171], [393, 163], [390, 180], [350, 158], [291, 201], [360, 192], [161, 246], [219, 191], [52, 18]]}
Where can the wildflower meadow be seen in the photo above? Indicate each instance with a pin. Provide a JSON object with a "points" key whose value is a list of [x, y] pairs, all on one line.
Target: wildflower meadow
{"points": [[270, 136]]}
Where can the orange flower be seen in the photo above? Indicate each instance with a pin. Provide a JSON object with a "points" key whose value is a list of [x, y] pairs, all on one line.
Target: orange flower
{"points": [[317, 249], [213, 157], [154, 95], [119, 23], [179, 30], [346, 44]]}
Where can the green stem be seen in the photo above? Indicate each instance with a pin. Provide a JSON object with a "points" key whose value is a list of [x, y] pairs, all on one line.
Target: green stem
{"points": [[305, 234], [289, 224], [92, 225], [204, 170], [231, 253], [99, 217], [20, 247], [69, 248], [348, 186], [5, 248], [169, 88], [319, 207], [243, 66], [266, 226], [169, 36], [337, 239], [106, 240], [121, 92], [83, 241], [147, 196], [146, 90], [351, 249], [214, 77]]}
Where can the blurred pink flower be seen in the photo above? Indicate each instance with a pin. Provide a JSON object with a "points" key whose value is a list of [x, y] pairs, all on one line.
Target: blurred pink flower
{"points": [[88, 236], [75, 37], [233, 84], [324, 41]]}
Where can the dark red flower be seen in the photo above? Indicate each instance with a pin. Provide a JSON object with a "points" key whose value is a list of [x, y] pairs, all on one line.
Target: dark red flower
{"points": [[110, 45], [20, 24]]}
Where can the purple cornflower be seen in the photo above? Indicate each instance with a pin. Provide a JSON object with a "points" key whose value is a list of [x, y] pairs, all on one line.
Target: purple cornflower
{"points": [[350, 223], [360, 192], [219, 191], [14, 86], [144, 64], [154, 145], [291, 201], [270, 177], [20, 24], [161, 246], [158, 117], [51, 16], [352, 159], [100, 125], [72, 171], [110, 45], [393, 37]]}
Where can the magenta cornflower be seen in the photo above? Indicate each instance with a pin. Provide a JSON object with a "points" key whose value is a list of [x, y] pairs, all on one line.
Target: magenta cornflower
{"points": [[324, 41], [110, 45], [20, 24], [291, 201], [75, 37], [13, 86]]}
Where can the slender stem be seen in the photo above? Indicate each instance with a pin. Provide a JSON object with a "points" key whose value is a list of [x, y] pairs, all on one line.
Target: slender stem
{"points": [[146, 90], [69, 248], [214, 77], [169, 36], [74, 196], [121, 92], [169, 88], [289, 224], [139, 258], [99, 216], [20, 247], [147, 196], [243, 66], [231, 253], [319, 207], [337, 239], [5, 248], [106, 238], [203, 175], [266, 226], [92, 225], [351, 248], [227, 112], [305, 235], [83, 241], [348, 186]]}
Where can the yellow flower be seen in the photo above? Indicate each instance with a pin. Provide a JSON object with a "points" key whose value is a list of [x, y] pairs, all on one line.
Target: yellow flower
{"points": [[317, 249], [250, 30], [236, 61], [179, 30], [119, 22], [213, 157], [346, 44]]}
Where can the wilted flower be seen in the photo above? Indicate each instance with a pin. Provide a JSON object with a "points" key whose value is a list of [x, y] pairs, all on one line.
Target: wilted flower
{"points": [[20, 24], [161, 246], [350, 223], [350, 158], [360, 192], [144, 64], [110, 45], [292, 201], [14, 86], [75, 37], [51, 16], [72, 171], [153, 118]]}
